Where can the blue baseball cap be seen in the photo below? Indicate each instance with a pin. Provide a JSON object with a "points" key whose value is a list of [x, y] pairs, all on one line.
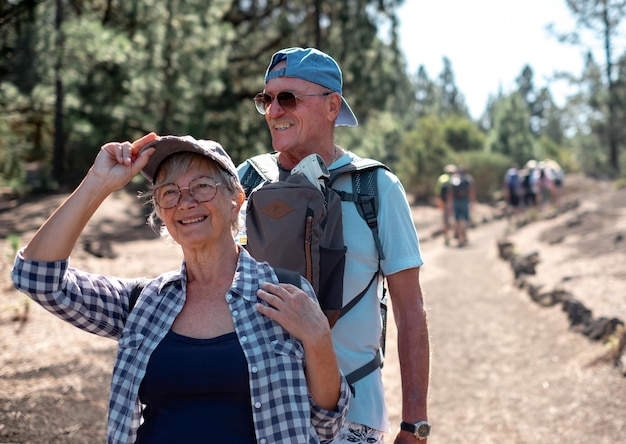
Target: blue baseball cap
{"points": [[314, 66]]}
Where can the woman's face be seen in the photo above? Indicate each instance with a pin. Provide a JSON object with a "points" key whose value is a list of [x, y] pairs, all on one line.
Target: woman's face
{"points": [[194, 224]]}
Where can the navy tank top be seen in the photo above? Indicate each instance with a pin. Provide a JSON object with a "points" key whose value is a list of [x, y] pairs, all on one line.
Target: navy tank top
{"points": [[196, 390]]}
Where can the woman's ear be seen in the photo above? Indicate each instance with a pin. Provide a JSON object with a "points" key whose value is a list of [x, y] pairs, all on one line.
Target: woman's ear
{"points": [[240, 198]]}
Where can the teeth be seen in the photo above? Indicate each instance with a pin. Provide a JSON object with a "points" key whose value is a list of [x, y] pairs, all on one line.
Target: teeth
{"points": [[282, 126], [190, 221]]}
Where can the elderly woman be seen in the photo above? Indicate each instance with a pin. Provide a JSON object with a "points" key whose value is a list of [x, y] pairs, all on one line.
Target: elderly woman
{"points": [[218, 351]]}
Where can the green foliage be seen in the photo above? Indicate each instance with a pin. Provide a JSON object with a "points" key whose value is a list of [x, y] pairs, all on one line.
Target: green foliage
{"points": [[488, 171], [379, 137], [425, 152], [451, 101], [511, 135], [463, 135], [192, 67]]}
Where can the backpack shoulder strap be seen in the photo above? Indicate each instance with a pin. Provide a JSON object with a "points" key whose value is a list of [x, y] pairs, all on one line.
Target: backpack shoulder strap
{"points": [[358, 164], [286, 276], [365, 192], [135, 292], [263, 168]]}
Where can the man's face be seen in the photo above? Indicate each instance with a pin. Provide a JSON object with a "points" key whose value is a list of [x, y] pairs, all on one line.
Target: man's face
{"points": [[303, 130]]}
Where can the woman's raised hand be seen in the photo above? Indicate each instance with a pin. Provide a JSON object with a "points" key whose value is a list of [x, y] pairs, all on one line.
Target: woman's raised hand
{"points": [[118, 162]]}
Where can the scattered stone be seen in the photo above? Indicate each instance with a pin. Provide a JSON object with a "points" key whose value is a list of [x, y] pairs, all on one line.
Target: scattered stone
{"points": [[607, 330], [579, 316], [602, 328], [524, 264]]}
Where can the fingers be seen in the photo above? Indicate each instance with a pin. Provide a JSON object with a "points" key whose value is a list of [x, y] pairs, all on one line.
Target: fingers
{"points": [[126, 152], [121, 152], [138, 144], [273, 294], [273, 288], [143, 141], [283, 298], [294, 310]]}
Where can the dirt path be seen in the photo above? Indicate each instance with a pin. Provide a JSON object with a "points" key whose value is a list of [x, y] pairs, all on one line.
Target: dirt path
{"points": [[505, 370]]}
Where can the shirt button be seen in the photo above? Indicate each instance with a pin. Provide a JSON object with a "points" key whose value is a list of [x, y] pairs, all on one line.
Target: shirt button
{"points": [[263, 440], [257, 405], [229, 297], [254, 369], [235, 312], [244, 339]]}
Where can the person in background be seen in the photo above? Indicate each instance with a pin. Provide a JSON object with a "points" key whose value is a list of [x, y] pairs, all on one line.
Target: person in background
{"points": [[530, 177], [558, 177], [463, 196], [302, 103], [545, 186], [217, 351], [444, 199], [512, 190]]}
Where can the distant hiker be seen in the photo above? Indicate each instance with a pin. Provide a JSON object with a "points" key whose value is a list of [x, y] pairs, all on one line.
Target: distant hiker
{"points": [[545, 186], [463, 195], [558, 178], [443, 195], [530, 190], [512, 190]]}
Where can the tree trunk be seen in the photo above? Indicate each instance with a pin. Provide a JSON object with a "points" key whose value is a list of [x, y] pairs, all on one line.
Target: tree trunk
{"points": [[59, 148]]}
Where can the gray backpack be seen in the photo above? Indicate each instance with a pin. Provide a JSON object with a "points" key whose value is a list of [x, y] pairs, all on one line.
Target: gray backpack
{"points": [[292, 224]]}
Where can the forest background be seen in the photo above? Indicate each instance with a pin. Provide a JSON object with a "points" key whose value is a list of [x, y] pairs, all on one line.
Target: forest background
{"points": [[75, 74]]}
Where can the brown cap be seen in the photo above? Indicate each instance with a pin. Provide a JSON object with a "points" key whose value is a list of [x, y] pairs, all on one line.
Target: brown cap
{"points": [[167, 145]]}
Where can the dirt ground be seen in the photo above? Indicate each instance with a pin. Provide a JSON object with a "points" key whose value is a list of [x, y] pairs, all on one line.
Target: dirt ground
{"points": [[505, 368]]}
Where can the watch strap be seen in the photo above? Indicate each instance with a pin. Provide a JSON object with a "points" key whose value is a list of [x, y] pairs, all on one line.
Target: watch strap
{"points": [[408, 427]]}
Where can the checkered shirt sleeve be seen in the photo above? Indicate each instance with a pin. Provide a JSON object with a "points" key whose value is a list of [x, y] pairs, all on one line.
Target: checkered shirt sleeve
{"points": [[91, 302]]}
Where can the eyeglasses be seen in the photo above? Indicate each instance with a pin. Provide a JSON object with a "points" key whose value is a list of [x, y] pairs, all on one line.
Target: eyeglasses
{"points": [[286, 99], [202, 189]]}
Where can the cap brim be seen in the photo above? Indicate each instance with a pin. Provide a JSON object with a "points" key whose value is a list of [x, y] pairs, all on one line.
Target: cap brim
{"points": [[346, 117]]}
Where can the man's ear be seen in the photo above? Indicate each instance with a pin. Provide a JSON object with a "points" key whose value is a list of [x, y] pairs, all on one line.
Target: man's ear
{"points": [[334, 105]]}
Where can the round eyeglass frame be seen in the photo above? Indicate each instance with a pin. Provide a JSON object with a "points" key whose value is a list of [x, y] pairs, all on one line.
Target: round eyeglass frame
{"points": [[189, 188]]}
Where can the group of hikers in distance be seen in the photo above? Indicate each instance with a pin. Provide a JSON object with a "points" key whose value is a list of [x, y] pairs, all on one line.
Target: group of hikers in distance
{"points": [[538, 185]]}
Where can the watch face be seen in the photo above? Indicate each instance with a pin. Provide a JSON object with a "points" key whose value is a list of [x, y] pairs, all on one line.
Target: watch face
{"points": [[423, 430]]}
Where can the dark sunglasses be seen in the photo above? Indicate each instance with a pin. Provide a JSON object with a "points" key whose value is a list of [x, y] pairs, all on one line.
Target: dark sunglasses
{"points": [[286, 99]]}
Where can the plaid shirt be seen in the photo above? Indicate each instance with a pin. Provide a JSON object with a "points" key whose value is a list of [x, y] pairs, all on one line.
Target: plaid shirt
{"points": [[283, 412]]}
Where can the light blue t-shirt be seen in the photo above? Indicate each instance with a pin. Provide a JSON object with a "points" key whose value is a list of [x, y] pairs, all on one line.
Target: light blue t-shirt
{"points": [[356, 335]]}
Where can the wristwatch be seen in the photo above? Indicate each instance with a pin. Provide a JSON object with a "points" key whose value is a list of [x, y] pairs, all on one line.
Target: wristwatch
{"points": [[421, 430]]}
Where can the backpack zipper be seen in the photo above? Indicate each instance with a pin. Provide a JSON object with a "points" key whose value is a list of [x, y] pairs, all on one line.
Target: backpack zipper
{"points": [[308, 241]]}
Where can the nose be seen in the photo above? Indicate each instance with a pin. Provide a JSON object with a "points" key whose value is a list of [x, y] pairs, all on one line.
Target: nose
{"points": [[186, 198], [274, 108]]}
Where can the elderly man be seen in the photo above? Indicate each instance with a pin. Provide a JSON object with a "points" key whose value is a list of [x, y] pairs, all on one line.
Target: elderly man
{"points": [[302, 103]]}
